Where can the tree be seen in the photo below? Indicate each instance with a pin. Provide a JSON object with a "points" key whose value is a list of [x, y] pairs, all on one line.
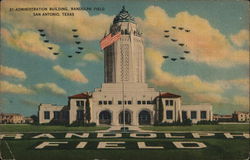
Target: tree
{"points": [[34, 118], [88, 115], [160, 110]]}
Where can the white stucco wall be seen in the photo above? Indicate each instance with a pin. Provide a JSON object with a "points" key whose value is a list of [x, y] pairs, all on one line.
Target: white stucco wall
{"points": [[132, 92], [198, 109], [47, 107]]}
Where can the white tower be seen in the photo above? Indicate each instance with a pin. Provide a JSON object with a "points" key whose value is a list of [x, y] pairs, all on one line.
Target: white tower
{"points": [[124, 59], [124, 92]]}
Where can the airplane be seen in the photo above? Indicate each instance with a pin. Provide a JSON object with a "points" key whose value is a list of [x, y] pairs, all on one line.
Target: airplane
{"points": [[165, 57], [78, 52], [75, 36], [173, 59], [40, 30], [181, 44], [174, 40], [42, 35], [50, 48], [174, 27], [74, 30], [166, 36], [180, 28], [55, 53], [187, 30], [186, 52], [166, 31], [70, 56], [46, 41], [77, 42], [182, 58], [81, 48]]}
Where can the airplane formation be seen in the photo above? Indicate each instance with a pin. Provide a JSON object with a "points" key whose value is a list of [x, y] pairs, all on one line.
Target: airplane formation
{"points": [[175, 40], [75, 36], [79, 48]]}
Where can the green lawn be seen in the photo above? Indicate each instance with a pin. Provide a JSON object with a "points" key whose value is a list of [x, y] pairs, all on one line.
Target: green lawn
{"points": [[219, 127], [217, 149], [47, 128], [44, 128]]}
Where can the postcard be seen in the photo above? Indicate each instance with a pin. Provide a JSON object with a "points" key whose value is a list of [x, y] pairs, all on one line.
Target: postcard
{"points": [[138, 80]]}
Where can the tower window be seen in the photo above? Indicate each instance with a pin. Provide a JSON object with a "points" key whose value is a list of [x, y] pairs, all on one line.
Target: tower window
{"points": [[100, 102], [79, 114], [169, 114], [65, 115], [126, 31], [110, 102], [79, 103], [138, 102], [119, 102], [104, 102], [203, 114], [56, 115], [129, 102], [46, 115], [193, 114], [143, 102], [148, 102], [171, 102], [167, 102]]}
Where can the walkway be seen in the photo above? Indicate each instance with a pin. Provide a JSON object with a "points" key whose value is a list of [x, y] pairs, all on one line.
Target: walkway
{"points": [[130, 129]]}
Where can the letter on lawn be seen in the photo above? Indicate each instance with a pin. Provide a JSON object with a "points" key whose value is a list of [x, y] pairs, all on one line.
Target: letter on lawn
{"points": [[110, 145], [49, 144]]}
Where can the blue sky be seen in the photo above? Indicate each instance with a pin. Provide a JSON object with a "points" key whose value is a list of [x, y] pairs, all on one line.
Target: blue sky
{"points": [[216, 71]]}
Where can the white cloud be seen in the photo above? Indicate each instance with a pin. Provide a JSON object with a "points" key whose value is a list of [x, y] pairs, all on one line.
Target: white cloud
{"points": [[92, 57], [241, 84], [241, 101], [241, 38], [52, 87], [12, 72], [89, 27], [209, 98], [206, 43], [73, 75], [190, 84], [30, 102], [6, 87], [30, 42]]}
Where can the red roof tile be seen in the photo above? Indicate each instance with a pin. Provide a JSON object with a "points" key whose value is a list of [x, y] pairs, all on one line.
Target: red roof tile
{"points": [[169, 95], [80, 96]]}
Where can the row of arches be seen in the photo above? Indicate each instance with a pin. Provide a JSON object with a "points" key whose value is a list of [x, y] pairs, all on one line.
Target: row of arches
{"points": [[144, 118]]}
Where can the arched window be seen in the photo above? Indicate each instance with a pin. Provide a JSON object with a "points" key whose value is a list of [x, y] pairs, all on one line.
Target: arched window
{"points": [[126, 31], [144, 117], [105, 117]]}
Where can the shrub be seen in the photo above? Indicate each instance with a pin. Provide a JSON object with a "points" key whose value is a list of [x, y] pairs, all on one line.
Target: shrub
{"points": [[205, 122], [160, 110], [81, 123], [186, 122]]}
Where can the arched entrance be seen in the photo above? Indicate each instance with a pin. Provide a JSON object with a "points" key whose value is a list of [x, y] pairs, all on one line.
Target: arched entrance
{"points": [[144, 117], [127, 117], [105, 117]]}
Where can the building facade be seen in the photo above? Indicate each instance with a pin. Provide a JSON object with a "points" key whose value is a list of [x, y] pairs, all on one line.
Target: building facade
{"points": [[223, 118], [11, 118], [124, 97], [241, 116]]}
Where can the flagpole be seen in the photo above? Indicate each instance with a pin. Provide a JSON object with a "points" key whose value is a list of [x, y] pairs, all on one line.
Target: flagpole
{"points": [[123, 106]]}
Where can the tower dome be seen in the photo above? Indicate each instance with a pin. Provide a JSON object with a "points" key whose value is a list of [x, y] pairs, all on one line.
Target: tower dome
{"points": [[123, 16]]}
